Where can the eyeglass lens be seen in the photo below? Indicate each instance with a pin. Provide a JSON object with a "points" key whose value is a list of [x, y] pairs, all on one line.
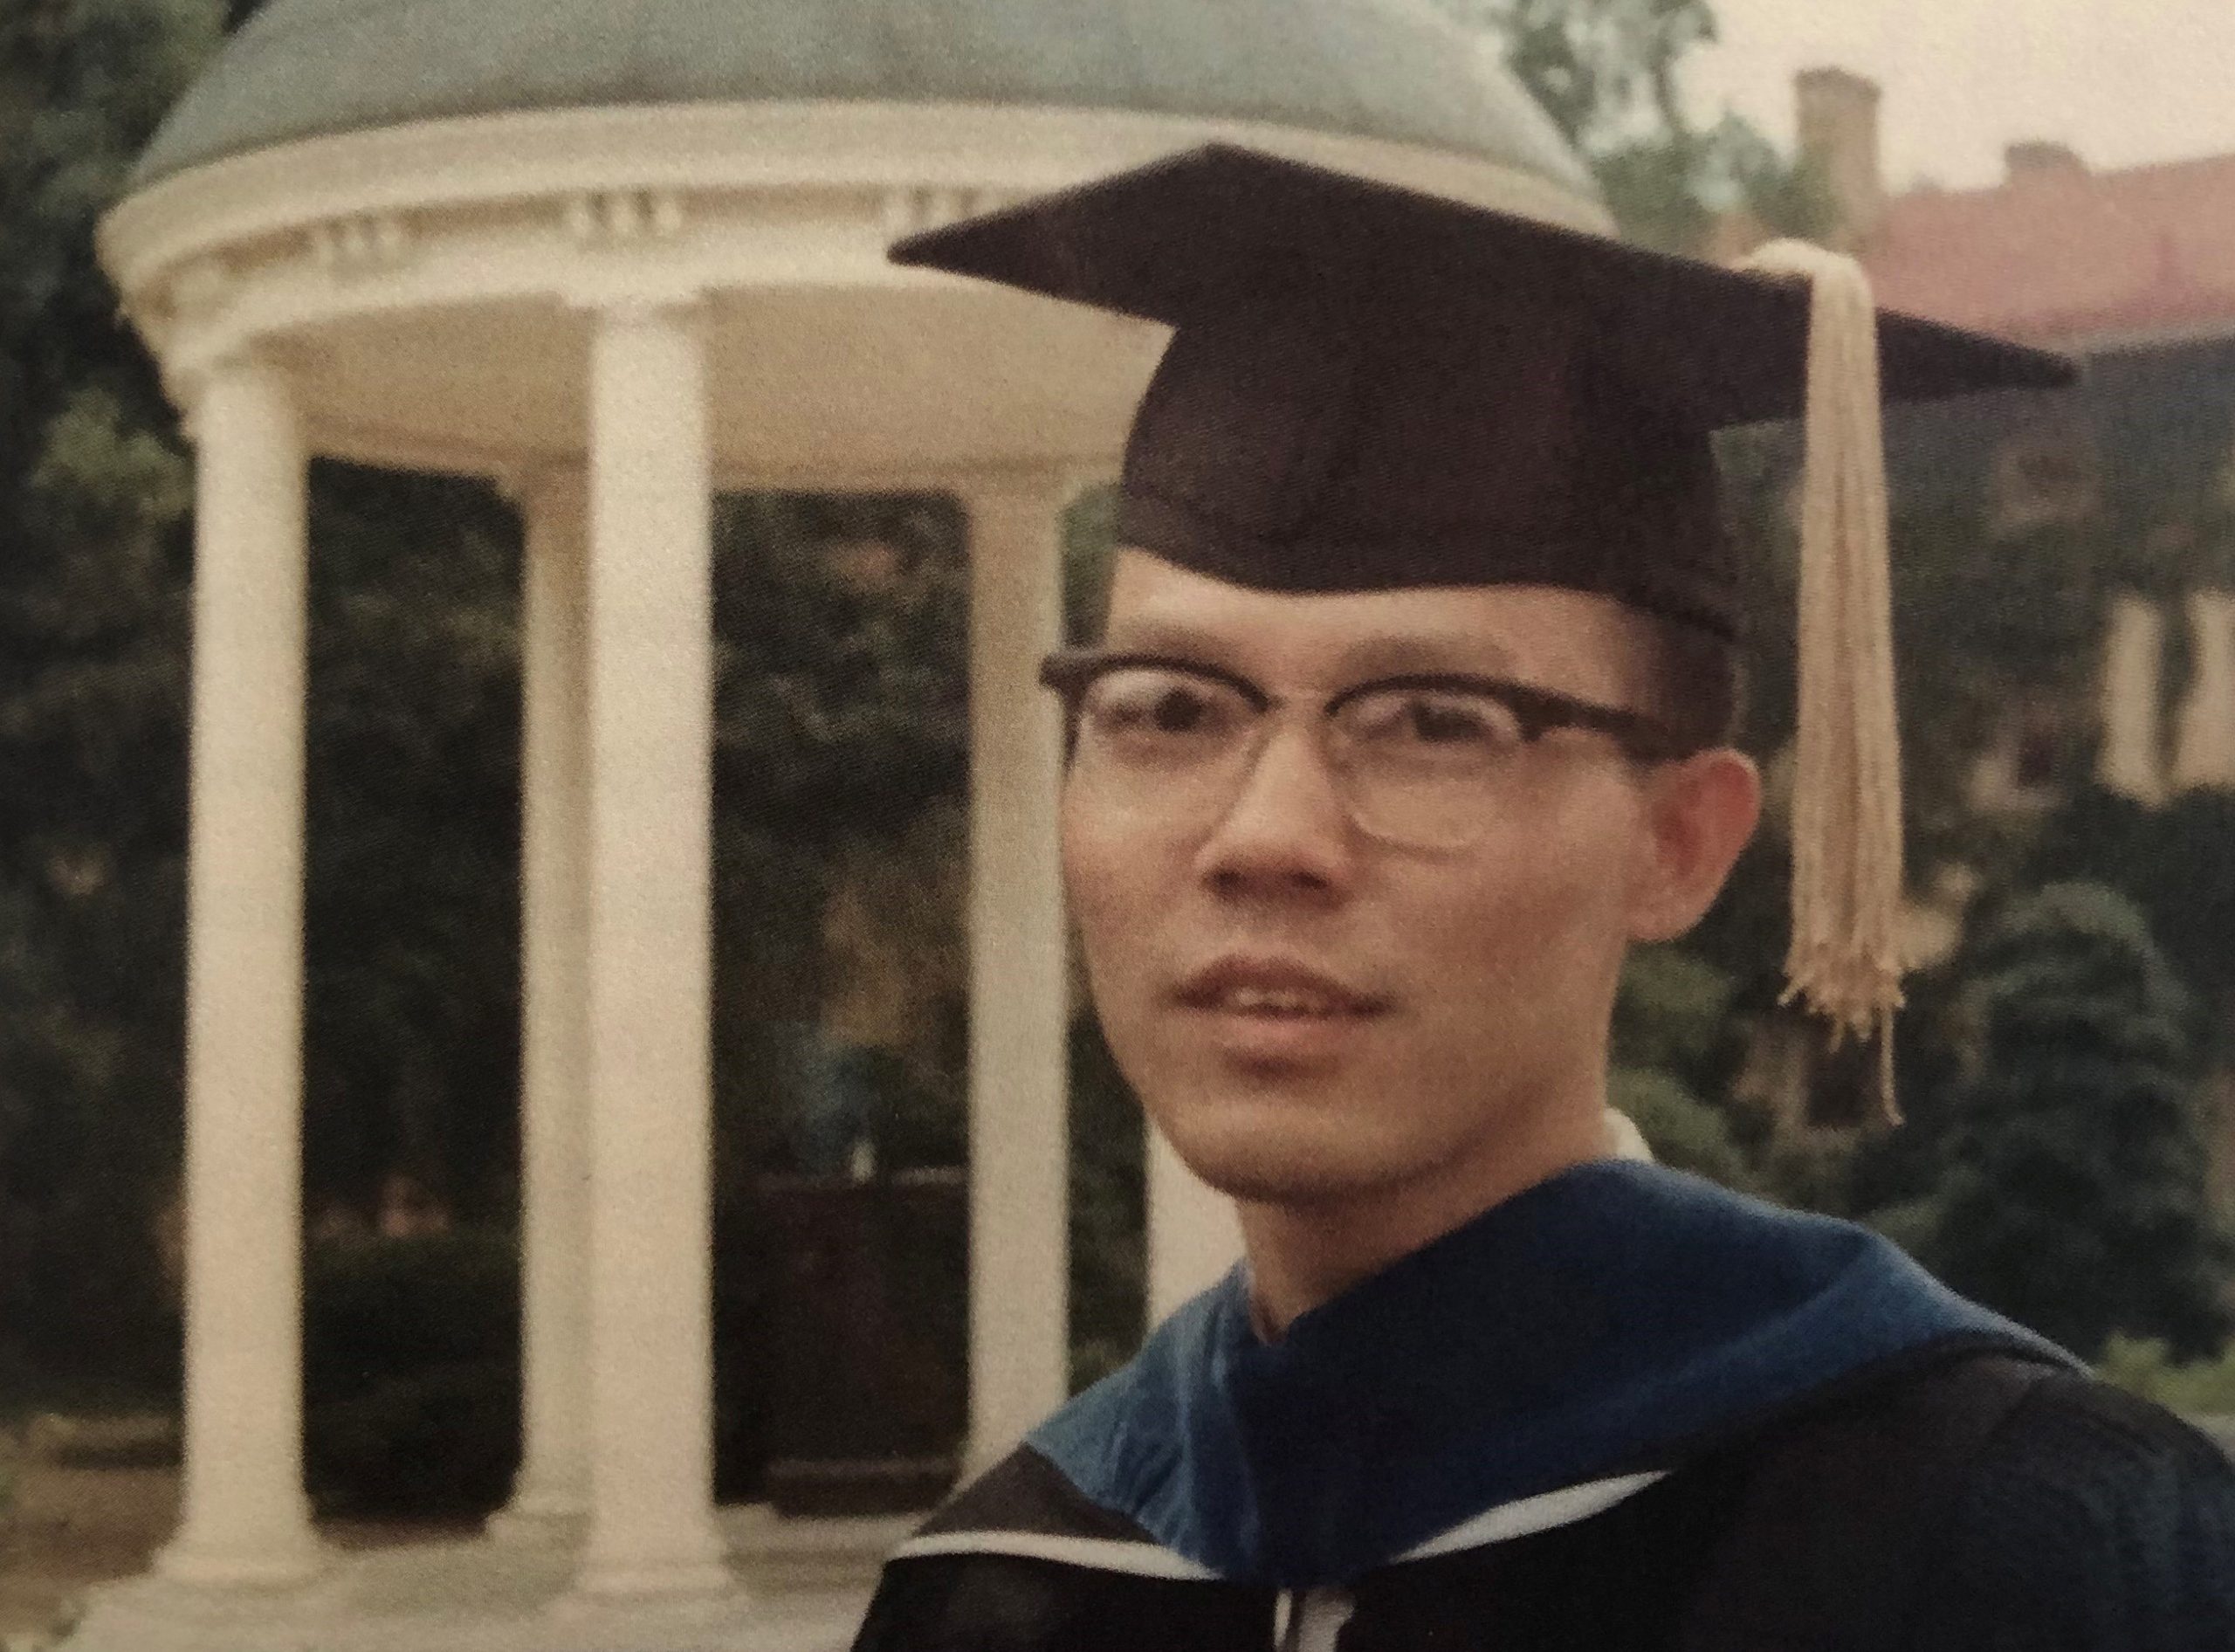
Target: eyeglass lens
{"points": [[1416, 766]]}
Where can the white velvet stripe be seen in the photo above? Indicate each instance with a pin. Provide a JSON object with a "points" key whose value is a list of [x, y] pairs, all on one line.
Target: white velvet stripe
{"points": [[1102, 1555], [1563, 1507]]}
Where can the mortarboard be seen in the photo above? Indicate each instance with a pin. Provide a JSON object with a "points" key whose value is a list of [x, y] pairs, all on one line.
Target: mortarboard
{"points": [[1369, 386]]}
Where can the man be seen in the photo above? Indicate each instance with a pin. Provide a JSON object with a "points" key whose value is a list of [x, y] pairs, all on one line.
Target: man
{"points": [[1410, 717]]}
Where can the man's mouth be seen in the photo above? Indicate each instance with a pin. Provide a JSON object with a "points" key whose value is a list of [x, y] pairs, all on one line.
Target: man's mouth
{"points": [[1266, 1001], [1274, 988]]}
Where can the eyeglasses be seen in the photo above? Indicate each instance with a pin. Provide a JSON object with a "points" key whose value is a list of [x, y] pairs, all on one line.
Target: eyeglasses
{"points": [[1421, 761]]}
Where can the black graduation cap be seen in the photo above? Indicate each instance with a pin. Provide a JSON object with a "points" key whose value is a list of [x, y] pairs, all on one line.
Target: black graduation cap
{"points": [[1372, 387]]}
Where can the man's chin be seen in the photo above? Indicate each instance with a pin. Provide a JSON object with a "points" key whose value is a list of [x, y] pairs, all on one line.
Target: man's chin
{"points": [[1282, 1167], [1290, 1187]]}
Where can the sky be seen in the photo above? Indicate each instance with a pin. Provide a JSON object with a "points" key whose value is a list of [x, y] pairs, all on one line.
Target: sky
{"points": [[2124, 82]]}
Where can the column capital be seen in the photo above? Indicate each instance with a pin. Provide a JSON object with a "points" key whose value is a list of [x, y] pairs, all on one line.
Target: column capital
{"points": [[1057, 480], [634, 298], [249, 361], [530, 483], [2209, 605]]}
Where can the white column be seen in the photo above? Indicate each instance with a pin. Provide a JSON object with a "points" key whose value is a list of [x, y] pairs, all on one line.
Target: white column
{"points": [[651, 1526], [2203, 748], [1019, 980], [243, 1516], [2131, 763], [1193, 1234], [551, 1495]]}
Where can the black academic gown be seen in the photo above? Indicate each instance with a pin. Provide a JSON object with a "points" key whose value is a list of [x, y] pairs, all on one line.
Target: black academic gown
{"points": [[1626, 1410]]}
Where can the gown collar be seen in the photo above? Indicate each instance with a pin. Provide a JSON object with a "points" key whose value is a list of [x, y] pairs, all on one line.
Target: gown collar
{"points": [[1610, 1320]]}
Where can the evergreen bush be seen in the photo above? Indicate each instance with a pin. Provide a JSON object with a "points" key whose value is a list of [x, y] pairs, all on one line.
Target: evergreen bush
{"points": [[411, 1373], [2074, 1197]]}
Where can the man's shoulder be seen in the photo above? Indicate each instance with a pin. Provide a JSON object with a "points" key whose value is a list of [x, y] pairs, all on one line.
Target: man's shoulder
{"points": [[2071, 1430], [1989, 1501], [2092, 1507]]}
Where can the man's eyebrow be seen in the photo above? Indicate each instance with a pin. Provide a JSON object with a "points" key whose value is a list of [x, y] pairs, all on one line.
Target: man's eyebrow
{"points": [[1176, 638], [1380, 654], [1399, 654]]}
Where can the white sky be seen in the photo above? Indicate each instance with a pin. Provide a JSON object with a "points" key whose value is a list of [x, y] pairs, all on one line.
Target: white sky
{"points": [[2124, 82]]}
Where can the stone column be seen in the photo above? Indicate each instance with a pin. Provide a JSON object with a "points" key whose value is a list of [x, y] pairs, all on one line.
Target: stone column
{"points": [[1193, 1236], [651, 1527], [1019, 970], [2131, 763], [551, 1495], [2203, 748], [243, 1516]]}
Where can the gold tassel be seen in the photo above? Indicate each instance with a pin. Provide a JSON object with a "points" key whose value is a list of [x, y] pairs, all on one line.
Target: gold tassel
{"points": [[1846, 958]]}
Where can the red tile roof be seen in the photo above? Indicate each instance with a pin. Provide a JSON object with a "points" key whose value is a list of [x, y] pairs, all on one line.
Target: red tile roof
{"points": [[2068, 257]]}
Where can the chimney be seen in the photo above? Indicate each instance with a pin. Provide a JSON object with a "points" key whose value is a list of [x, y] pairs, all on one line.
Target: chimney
{"points": [[2041, 158], [1837, 125]]}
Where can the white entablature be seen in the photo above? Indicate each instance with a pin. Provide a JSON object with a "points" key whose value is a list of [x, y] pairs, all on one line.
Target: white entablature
{"points": [[429, 285]]}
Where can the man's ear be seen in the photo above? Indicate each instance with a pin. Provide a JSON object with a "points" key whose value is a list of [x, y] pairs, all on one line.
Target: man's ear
{"points": [[1699, 814]]}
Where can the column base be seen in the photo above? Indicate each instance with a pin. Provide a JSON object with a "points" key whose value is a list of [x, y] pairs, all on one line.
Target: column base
{"points": [[281, 1561], [543, 1519], [684, 1558], [619, 1579], [465, 1595]]}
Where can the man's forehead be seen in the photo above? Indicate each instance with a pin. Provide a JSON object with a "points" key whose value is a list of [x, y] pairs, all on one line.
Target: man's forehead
{"points": [[1548, 634]]}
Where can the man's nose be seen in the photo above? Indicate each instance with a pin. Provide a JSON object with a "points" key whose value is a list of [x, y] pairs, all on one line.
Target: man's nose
{"points": [[1286, 827]]}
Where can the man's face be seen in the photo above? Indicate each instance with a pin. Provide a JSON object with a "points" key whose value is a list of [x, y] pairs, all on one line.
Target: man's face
{"points": [[1312, 1015]]}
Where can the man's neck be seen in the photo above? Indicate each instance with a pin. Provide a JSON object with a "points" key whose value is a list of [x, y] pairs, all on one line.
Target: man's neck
{"points": [[1303, 1255]]}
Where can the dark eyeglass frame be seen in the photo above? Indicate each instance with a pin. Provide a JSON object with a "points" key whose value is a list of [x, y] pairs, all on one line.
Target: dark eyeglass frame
{"points": [[1071, 671]]}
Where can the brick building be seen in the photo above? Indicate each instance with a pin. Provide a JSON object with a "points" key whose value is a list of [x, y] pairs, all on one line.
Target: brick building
{"points": [[2133, 271]]}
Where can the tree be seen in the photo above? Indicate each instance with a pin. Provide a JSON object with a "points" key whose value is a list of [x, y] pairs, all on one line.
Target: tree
{"points": [[93, 494], [1601, 68], [2074, 1195], [1672, 1044], [2173, 862], [1605, 72], [411, 918]]}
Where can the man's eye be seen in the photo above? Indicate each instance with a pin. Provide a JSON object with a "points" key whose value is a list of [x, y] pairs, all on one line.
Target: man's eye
{"points": [[1435, 720], [1178, 711], [1148, 704]]}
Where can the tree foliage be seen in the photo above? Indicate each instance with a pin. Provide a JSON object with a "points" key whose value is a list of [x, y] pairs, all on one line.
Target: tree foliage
{"points": [[93, 495], [2074, 1196], [2176, 864], [1602, 69], [1674, 1045], [1608, 74]]}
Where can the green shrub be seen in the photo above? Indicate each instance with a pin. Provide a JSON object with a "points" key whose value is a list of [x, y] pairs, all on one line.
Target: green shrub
{"points": [[1108, 1213], [444, 1441], [2076, 1198], [2145, 1366], [1684, 1133], [1910, 1224], [411, 1373], [1673, 1011]]}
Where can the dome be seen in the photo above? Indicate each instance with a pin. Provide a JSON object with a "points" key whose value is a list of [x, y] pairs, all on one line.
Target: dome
{"points": [[1393, 70]]}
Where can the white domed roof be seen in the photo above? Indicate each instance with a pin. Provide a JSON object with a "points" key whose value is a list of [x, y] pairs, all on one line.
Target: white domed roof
{"points": [[1394, 70]]}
